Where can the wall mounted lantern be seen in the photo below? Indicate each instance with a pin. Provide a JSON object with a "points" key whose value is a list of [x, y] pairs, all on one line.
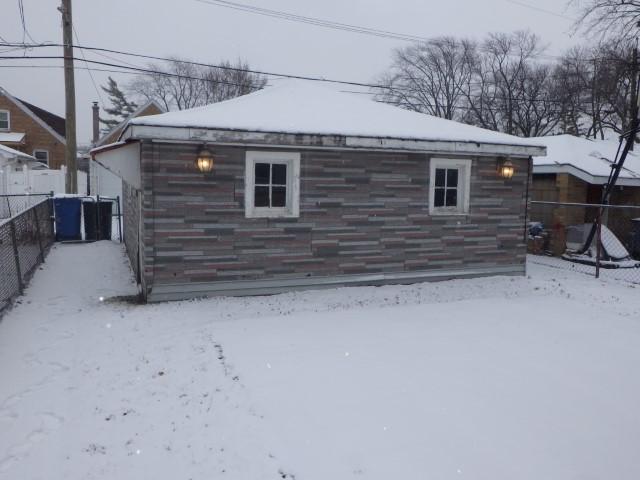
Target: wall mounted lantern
{"points": [[204, 160], [505, 168]]}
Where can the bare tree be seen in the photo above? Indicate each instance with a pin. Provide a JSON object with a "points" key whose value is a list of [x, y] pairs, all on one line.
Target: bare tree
{"points": [[502, 84], [596, 88], [232, 80], [536, 112], [430, 77], [616, 82], [181, 84], [506, 58], [573, 87], [608, 18]]}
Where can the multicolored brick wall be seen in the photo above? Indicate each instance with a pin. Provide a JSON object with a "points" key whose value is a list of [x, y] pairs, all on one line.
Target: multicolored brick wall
{"points": [[360, 213]]}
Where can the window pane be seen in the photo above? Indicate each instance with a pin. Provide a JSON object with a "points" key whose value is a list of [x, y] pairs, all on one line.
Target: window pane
{"points": [[41, 155], [440, 175], [279, 196], [261, 197], [452, 197], [262, 173], [278, 174], [438, 198], [452, 177]]}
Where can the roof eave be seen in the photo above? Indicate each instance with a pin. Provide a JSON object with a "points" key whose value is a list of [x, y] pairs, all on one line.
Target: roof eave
{"points": [[583, 175], [321, 141]]}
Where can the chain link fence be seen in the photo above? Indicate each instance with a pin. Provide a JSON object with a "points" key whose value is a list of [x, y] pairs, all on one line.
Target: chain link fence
{"points": [[25, 239], [598, 240], [11, 205]]}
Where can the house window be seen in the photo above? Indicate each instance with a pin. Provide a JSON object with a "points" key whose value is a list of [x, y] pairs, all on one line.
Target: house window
{"points": [[42, 156], [5, 119], [272, 184], [449, 186]]}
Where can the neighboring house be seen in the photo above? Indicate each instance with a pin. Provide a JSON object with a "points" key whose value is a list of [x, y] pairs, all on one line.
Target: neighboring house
{"points": [[313, 188], [32, 130], [575, 170], [14, 170], [150, 108], [102, 181]]}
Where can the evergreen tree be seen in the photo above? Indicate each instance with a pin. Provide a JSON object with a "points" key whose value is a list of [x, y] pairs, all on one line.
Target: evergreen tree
{"points": [[121, 108]]}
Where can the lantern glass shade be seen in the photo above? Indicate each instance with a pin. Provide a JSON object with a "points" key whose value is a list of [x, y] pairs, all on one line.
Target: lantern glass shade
{"points": [[506, 169], [204, 161]]}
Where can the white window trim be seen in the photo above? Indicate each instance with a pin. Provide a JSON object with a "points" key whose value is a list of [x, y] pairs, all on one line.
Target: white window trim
{"points": [[292, 160], [464, 185], [41, 150], [2, 129]]}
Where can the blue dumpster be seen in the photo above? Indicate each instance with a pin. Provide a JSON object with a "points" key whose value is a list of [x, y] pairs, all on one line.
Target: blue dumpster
{"points": [[67, 212]]}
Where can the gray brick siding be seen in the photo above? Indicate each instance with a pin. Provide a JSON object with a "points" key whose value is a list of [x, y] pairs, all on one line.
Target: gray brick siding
{"points": [[131, 214]]}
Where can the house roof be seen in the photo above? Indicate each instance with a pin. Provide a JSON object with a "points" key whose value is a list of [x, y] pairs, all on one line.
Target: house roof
{"points": [[113, 134], [8, 153], [303, 107], [57, 123], [589, 160], [52, 123]]}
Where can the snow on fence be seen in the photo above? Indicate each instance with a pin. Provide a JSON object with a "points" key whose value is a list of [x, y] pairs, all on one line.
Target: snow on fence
{"points": [[25, 239], [11, 205], [598, 240]]}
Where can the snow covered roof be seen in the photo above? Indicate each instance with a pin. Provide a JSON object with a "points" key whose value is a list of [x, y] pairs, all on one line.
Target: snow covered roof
{"points": [[8, 153], [303, 107], [589, 160]]}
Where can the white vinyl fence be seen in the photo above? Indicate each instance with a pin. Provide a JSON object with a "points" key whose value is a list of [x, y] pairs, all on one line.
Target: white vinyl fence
{"points": [[37, 181]]}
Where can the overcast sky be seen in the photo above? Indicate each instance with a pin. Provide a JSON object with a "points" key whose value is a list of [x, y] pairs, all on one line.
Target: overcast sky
{"points": [[210, 33]]}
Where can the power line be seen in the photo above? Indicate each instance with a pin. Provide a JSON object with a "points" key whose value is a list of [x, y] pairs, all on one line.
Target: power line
{"points": [[138, 69], [313, 20], [200, 64], [538, 9], [100, 51], [282, 15], [145, 71], [25, 31], [93, 81]]}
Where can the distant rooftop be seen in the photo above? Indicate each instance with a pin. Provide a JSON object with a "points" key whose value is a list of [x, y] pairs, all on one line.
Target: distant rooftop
{"points": [[588, 159]]}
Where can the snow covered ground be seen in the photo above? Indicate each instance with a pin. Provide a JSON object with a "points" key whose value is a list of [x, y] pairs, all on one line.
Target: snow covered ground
{"points": [[501, 378]]}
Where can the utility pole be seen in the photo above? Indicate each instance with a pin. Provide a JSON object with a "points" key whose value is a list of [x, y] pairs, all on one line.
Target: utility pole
{"points": [[633, 110], [71, 150], [627, 138]]}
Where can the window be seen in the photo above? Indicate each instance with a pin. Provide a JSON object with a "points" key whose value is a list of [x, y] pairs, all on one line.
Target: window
{"points": [[272, 184], [5, 119], [42, 156], [449, 186]]}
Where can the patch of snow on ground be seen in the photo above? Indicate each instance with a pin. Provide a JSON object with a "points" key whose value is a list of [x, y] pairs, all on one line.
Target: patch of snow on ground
{"points": [[494, 378]]}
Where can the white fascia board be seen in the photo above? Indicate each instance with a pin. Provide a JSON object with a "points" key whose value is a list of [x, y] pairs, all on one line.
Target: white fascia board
{"points": [[584, 175], [439, 146], [324, 142]]}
